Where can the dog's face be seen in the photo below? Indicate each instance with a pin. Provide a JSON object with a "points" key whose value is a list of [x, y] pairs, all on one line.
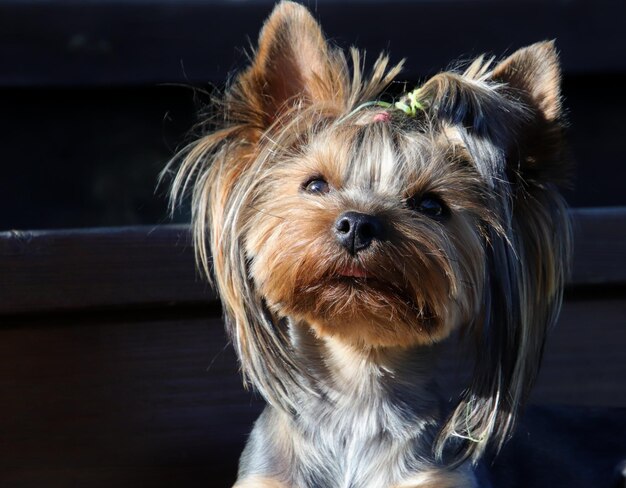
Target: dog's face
{"points": [[371, 229], [322, 205]]}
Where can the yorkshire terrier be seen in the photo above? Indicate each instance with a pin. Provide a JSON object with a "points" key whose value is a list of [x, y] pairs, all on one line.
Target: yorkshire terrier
{"points": [[349, 233]]}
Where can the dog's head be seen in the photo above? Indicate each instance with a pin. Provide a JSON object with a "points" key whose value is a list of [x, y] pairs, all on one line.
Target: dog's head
{"points": [[321, 204]]}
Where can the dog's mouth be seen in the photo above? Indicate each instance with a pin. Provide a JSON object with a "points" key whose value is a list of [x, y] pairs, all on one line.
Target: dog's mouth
{"points": [[370, 303], [356, 277]]}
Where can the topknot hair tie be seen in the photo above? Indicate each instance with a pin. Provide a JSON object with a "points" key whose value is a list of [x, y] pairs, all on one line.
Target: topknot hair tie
{"points": [[410, 104]]}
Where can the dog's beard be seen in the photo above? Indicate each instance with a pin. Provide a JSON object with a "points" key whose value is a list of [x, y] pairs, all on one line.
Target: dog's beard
{"points": [[367, 311], [403, 291]]}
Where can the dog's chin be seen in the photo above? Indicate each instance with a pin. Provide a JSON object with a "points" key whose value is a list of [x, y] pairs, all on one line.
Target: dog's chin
{"points": [[358, 308]]}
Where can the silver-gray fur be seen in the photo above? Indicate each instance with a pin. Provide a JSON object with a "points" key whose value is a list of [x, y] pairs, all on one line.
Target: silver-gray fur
{"points": [[372, 425]]}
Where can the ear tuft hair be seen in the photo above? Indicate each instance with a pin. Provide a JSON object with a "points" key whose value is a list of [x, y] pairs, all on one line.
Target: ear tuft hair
{"points": [[533, 72], [293, 63]]}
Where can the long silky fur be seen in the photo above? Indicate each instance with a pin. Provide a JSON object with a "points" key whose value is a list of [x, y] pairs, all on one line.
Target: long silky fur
{"points": [[221, 167], [522, 219]]}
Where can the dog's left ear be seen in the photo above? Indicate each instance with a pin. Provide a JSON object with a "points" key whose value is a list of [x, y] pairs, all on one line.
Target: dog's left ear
{"points": [[532, 76], [533, 72]]}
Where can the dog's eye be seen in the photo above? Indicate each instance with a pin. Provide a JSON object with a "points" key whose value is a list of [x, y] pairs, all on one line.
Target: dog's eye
{"points": [[428, 205], [316, 185]]}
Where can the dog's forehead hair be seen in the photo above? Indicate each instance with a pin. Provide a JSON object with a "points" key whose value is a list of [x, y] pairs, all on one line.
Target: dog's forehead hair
{"points": [[384, 157]]}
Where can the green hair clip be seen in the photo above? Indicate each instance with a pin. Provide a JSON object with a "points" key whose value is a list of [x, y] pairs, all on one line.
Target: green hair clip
{"points": [[413, 105], [409, 104]]}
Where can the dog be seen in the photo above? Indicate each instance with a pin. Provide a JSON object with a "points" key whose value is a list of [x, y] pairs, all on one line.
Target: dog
{"points": [[348, 233]]}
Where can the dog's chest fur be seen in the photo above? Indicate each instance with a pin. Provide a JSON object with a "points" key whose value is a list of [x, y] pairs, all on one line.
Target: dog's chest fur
{"points": [[364, 430]]}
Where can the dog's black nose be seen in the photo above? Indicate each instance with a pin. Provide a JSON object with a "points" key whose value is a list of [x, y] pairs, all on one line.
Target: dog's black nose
{"points": [[356, 231]]}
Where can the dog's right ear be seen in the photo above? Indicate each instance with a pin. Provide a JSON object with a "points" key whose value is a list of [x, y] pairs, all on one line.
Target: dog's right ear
{"points": [[292, 66]]}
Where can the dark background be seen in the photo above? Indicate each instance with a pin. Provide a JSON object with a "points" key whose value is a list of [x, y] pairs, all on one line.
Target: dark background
{"points": [[97, 96]]}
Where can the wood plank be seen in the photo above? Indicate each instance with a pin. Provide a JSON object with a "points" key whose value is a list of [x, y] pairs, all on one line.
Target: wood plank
{"points": [[150, 266], [158, 401], [101, 43], [132, 403], [584, 360], [599, 246], [60, 270]]}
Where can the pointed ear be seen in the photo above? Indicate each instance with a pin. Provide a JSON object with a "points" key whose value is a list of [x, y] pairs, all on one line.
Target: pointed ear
{"points": [[293, 62], [534, 73], [532, 76]]}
